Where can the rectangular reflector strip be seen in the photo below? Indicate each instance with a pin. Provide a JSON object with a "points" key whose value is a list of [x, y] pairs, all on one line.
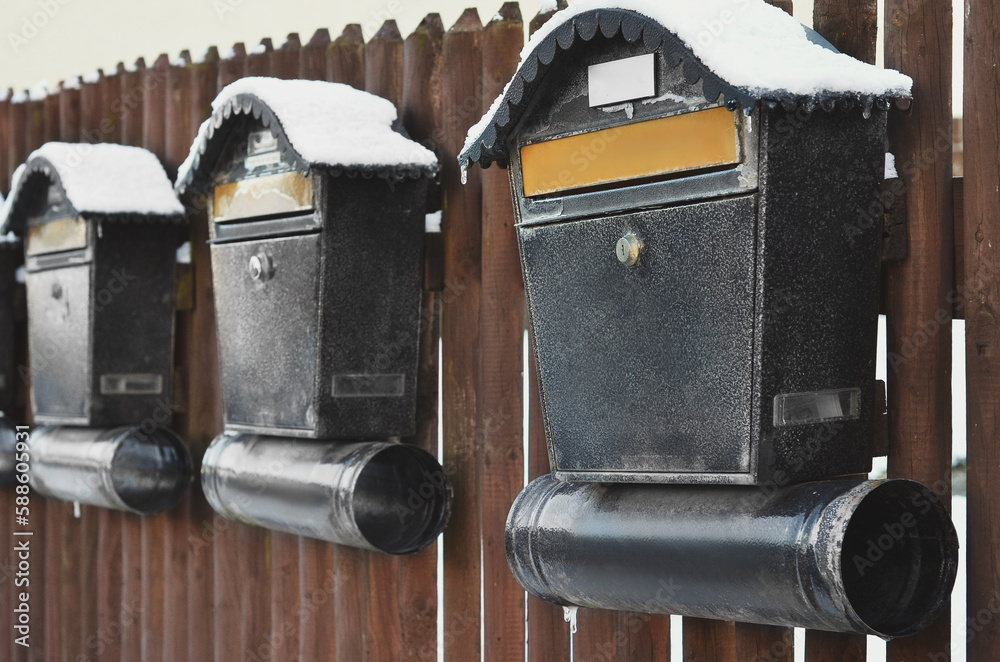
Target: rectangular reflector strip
{"points": [[63, 234], [270, 195], [690, 141]]}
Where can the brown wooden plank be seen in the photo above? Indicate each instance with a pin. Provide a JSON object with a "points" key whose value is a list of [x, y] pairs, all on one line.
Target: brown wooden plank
{"points": [[312, 57], [784, 5], [548, 633], [177, 137], [958, 191], [835, 647], [51, 577], [918, 42], [350, 598], [381, 618], [500, 385], [756, 643], [317, 585], [284, 626], [232, 66], [259, 59], [112, 93], [197, 354], [707, 641], [255, 590], [5, 140], [420, 113], [982, 272], [462, 106], [345, 58], [151, 619], [384, 64], [132, 109], [17, 117], [285, 58]]}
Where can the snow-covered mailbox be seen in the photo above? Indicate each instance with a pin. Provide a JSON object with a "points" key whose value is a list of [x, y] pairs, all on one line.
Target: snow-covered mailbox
{"points": [[101, 226], [316, 205], [703, 304]]}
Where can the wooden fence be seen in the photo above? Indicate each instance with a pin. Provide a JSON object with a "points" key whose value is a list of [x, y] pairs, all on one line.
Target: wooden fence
{"points": [[189, 585]]}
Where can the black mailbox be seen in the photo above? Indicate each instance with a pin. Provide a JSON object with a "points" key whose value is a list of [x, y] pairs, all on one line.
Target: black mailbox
{"points": [[702, 296], [10, 260], [316, 205], [687, 180], [316, 222], [101, 226]]}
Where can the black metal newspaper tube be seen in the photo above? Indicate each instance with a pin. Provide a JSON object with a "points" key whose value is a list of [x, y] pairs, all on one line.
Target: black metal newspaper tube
{"points": [[101, 226], [316, 207], [702, 300]]}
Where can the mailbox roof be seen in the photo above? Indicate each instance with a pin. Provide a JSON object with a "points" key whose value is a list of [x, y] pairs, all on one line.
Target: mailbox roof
{"points": [[113, 182], [317, 123], [743, 52]]}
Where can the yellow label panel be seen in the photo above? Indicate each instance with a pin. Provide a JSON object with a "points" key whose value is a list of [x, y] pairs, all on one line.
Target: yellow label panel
{"points": [[689, 141], [62, 234], [284, 193]]}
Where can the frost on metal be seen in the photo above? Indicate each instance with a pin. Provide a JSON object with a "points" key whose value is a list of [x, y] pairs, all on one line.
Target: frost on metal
{"points": [[102, 180], [317, 123], [743, 53]]}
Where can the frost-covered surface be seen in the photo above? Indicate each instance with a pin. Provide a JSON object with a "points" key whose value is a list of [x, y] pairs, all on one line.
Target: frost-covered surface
{"points": [[748, 44], [890, 166], [102, 179], [326, 123]]}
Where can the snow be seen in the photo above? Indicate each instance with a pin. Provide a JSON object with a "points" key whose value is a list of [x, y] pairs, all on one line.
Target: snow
{"points": [[325, 123], [228, 54], [259, 49], [747, 43], [132, 67], [432, 222], [39, 90], [92, 76], [19, 97], [547, 6], [71, 83], [890, 166], [104, 179], [179, 60], [5, 94]]}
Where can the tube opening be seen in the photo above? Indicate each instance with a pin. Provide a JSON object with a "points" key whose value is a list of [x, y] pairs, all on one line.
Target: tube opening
{"points": [[899, 558], [150, 472], [401, 500]]}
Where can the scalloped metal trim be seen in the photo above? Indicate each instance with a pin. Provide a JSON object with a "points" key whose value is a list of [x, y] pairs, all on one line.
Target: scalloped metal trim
{"points": [[490, 146], [41, 167], [248, 104]]}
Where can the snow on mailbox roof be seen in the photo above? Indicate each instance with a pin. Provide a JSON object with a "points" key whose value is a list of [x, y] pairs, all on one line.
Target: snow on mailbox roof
{"points": [[327, 124], [103, 180], [745, 50]]}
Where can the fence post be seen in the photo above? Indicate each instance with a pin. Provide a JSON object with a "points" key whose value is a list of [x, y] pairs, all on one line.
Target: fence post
{"points": [[461, 107], [918, 43], [982, 301]]}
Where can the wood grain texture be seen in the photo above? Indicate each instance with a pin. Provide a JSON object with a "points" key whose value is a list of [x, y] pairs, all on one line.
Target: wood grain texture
{"points": [[285, 59], [500, 384], [707, 641], [312, 57], [764, 643], [918, 39], [462, 106], [981, 296], [345, 58]]}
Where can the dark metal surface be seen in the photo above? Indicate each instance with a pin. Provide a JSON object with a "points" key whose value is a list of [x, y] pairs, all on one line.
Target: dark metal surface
{"points": [[757, 281], [108, 316], [11, 257], [381, 496], [8, 443], [324, 346], [142, 470], [874, 557]]}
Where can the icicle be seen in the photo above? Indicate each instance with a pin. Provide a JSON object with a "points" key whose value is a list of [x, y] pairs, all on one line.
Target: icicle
{"points": [[866, 111], [465, 174], [76, 509], [569, 615]]}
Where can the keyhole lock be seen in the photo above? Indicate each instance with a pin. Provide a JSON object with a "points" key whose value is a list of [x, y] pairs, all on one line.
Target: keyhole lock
{"points": [[261, 267], [628, 249]]}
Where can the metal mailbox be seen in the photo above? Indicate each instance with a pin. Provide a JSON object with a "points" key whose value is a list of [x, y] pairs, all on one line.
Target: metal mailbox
{"points": [[316, 268], [703, 305], [101, 227], [10, 260], [316, 205], [702, 299]]}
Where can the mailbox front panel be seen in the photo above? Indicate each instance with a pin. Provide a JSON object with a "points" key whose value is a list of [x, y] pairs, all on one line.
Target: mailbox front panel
{"points": [[59, 331], [268, 329], [646, 369]]}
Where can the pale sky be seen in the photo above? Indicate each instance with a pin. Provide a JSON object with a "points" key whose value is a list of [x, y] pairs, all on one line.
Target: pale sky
{"points": [[54, 39]]}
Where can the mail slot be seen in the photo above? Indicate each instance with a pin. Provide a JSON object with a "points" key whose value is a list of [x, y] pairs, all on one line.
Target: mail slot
{"points": [[101, 226], [316, 211], [702, 299], [316, 228]]}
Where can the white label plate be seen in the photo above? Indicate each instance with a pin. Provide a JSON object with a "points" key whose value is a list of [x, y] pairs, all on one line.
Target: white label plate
{"points": [[621, 80]]}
